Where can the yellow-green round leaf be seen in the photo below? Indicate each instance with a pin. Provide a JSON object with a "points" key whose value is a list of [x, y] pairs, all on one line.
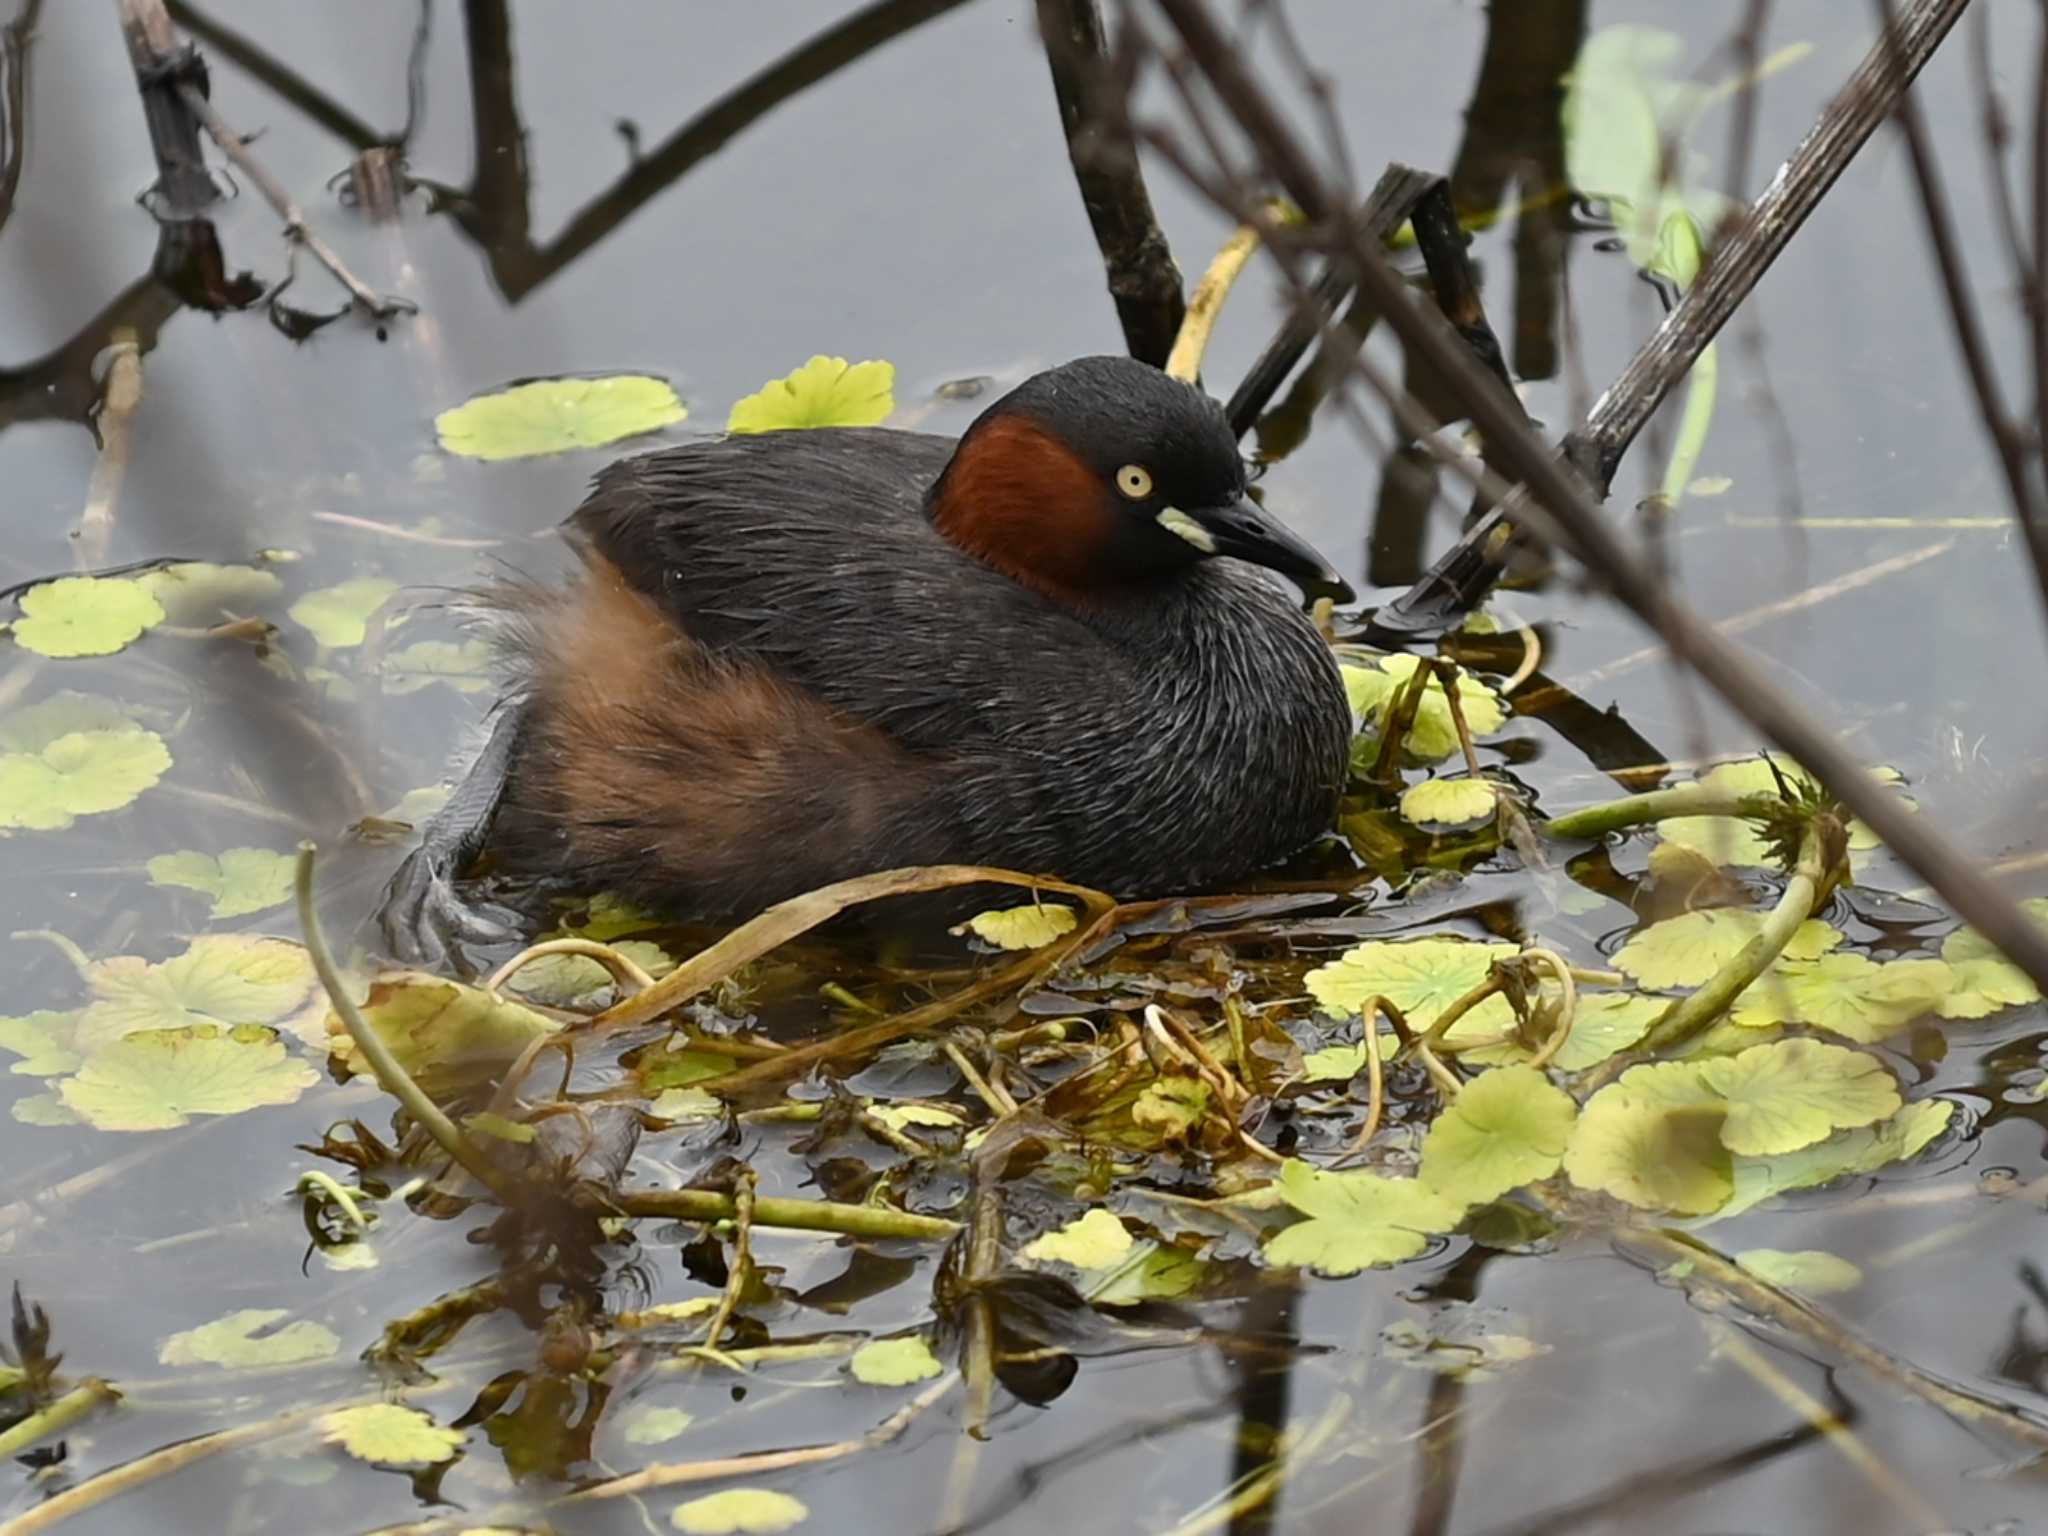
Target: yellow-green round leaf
{"points": [[904, 1117], [825, 392], [1984, 981], [198, 592], [557, 415], [390, 1435], [1860, 1151], [1448, 802], [1373, 692], [42, 1040], [654, 1423], [1333, 1064], [1847, 994], [240, 880], [1684, 951], [155, 1081], [894, 1362], [339, 616], [233, 1341], [1506, 1128], [83, 774], [1027, 927], [85, 615], [1418, 976], [1792, 1093], [752, 1511], [1149, 1272], [1811, 1270], [1356, 1220], [463, 666], [1604, 1025], [1653, 1140], [442, 1027], [1095, 1240], [220, 979]]}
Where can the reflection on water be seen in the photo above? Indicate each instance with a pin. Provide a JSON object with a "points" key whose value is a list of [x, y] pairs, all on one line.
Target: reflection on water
{"points": [[712, 195]]}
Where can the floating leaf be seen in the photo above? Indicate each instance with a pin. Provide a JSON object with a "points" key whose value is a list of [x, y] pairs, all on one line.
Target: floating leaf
{"points": [[1448, 802], [1333, 1064], [557, 415], [232, 1341], [1356, 1220], [903, 1117], [1464, 1351], [240, 881], [1606, 1024], [1418, 976], [1506, 1128], [221, 979], [825, 392], [339, 616], [390, 1435], [155, 1081], [1027, 927], [1851, 995], [1433, 735], [1811, 1270], [654, 1423], [1149, 1272], [1983, 980], [41, 1109], [894, 1362], [42, 1040], [1653, 1139], [679, 1066], [441, 1027], [1790, 1094], [685, 1104], [1860, 1151], [84, 615], [1171, 1106], [755, 1511], [198, 592], [1684, 951], [84, 773], [1095, 1240], [464, 666]]}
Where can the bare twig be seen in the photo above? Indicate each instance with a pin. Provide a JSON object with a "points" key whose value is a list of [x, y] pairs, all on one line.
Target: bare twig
{"points": [[164, 69], [1462, 575], [1561, 499], [296, 229], [1143, 279]]}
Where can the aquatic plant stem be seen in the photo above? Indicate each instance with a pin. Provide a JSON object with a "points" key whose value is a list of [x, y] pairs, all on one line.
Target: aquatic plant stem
{"points": [[58, 1417], [704, 1205], [741, 1265], [1205, 306], [1694, 1015], [394, 1079], [625, 974], [119, 398], [1695, 799]]}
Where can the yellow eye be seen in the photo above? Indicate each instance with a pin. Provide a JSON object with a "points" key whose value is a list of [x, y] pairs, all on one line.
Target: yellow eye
{"points": [[1135, 481]]}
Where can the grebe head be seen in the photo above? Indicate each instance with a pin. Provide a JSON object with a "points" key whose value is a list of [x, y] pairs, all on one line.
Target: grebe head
{"points": [[1105, 474]]}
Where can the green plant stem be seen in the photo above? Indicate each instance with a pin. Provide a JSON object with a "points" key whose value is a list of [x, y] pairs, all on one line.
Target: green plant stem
{"points": [[793, 1215], [394, 1078], [1693, 1015], [58, 1417], [1658, 805]]}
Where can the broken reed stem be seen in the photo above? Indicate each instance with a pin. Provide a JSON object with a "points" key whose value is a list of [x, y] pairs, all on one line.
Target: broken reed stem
{"points": [[66, 1411], [742, 1262], [119, 397], [707, 1205], [1913, 1510], [1400, 720], [296, 229], [1694, 1015], [393, 1077], [788, 919], [1205, 306], [1802, 1319]]}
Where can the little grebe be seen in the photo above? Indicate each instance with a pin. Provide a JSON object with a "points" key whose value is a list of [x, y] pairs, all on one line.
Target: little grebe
{"points": [[795, 657]]}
